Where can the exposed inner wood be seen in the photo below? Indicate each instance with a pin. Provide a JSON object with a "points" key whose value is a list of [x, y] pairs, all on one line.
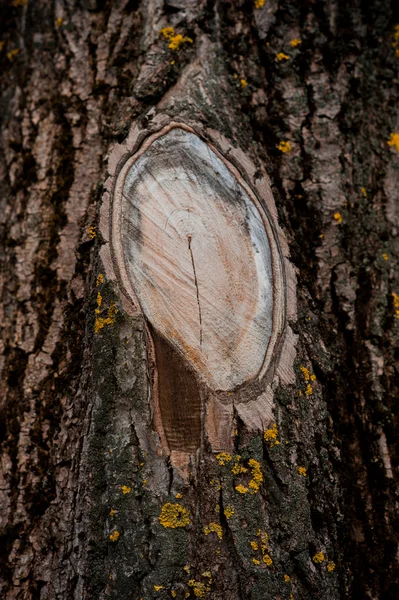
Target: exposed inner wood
{"points": [[178, 397], [198, 258]]}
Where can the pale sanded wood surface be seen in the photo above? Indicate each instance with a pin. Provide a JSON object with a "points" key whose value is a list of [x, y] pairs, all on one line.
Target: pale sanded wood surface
{"points": [[198, 257]]}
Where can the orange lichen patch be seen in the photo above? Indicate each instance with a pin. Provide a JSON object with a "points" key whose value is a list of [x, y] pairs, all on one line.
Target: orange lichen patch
{"points": [[295, 42], [281, 56], [92, 231], [394, 141], [318, 558], [100, 279], [187, 568], [174, 515], [173, 594], [270, 436], [302, 471], [364, 192], [214, 528], [385, 256], [307, 375], [216, 484], [2, 44], [125, 489], [12, 53], [19, 2], [229, 512], [338, 217], [259, 3], [263, 547], [223, 458], [176, 40], [101, 322], [114, 536], [309, 390], [158, 588], [284, 147], [257, 476], [331, 567], [244, 83], [112, 512], [200, 590], [396, 304], [238, 468], [178, 496], [287, 578], [58, 22]]}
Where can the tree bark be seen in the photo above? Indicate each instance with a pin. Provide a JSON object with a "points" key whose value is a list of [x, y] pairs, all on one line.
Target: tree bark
{"points": [[88, 496]]}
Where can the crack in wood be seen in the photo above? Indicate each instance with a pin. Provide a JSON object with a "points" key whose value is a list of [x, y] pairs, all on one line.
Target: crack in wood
{"points": [[189, 238]]}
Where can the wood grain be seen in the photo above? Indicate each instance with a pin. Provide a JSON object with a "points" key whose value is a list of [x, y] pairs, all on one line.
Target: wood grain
{"points": [[198, 257]]}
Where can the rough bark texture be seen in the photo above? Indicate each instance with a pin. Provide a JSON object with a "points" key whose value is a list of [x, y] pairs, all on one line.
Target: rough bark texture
{"points": [[77, 437]]}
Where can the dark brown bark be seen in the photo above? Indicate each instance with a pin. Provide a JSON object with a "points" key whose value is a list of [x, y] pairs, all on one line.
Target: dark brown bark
{"points": [[76, 422]]}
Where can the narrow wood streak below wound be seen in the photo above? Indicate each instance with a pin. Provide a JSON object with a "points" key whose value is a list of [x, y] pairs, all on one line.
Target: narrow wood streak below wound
{"points": [[198, 257]]}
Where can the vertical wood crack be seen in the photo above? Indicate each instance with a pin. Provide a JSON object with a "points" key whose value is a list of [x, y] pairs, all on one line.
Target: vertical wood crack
{"points": [[189, 237]]}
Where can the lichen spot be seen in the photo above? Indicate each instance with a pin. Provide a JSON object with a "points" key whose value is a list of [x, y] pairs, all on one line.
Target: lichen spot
{"points": [[114, 536], [174, 515], [284, 146], [302, 471], [259, 3], [295, 42], [318, 558], [214, 528], [126, 489], [270, 436], [393, 141], [176, 40], [223, 458], [229, 512], [281, 56]]}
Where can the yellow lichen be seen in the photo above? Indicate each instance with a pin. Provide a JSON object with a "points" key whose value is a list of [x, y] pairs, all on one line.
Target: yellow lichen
{"points": [[385, 256], [58, 22], [158, 588], [259, 3], [92, 232], [100, 279], [112, 512], [174, 515], [309, 390], [237, 469], [287, 578], [394, 141], [200, 589], [12, 53], [187, 568], [256, 561], [207, 574], [318, 558], [2, 44], [175, 40], [244, 83], [267, 560], [254, 545], [307, 375], [125, 489], [295, 42], [223, 458], [241, 489], [214, 528], [103, 321], [364, 192], [284, 147], [178, 496], [270, 436], [338, 217], [302, 471], [173, 593], [229, 512], [281, 56], [19, 2], [396, 304], [114, 536], [257, 476], [331, 567]]}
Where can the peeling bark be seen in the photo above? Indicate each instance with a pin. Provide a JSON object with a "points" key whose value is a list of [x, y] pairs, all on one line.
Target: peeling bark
{"points": [[81, 459]]}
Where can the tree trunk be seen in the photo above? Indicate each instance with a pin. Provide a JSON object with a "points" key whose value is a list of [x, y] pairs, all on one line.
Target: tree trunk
{"points": [[94, 504]]}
